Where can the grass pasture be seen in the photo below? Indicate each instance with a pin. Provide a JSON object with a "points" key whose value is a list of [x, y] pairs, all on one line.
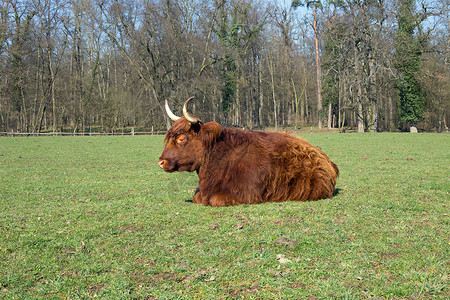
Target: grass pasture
{"points": [[85, 217]]}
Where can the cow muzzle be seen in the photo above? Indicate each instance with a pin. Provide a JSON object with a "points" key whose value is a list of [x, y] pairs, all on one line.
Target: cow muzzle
{"points": [[165, 165], [161, 163]]}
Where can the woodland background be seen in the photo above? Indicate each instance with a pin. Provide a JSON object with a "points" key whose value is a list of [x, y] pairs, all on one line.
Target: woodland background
{"points": [[103, 65]]}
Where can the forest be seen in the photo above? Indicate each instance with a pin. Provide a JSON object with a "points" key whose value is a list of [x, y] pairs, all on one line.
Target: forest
{"points": [[106, 65]]}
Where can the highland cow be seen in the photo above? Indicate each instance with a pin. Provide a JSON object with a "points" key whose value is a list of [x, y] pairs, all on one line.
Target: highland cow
{"points": [[236, 166]]}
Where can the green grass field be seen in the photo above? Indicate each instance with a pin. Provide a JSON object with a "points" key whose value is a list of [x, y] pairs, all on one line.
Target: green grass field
{"points": [[85, 217]]}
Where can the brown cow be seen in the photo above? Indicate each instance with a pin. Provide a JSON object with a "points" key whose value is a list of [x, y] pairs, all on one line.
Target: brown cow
{"points": [[236, 166]]}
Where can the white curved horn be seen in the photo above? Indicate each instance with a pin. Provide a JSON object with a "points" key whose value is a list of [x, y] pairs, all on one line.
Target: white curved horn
{"points": [[170, 113], [186, 114]]}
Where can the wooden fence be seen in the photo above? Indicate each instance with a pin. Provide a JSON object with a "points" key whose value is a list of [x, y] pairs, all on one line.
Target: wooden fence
{"points": [[17, 134], [152, 132]]}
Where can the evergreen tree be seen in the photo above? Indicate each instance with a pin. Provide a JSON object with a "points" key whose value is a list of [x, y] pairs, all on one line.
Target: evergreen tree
{"points": [[333, 60], [408, 54]]}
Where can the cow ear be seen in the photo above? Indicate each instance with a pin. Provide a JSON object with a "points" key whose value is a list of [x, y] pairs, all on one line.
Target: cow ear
{"points": [[210, 132]]}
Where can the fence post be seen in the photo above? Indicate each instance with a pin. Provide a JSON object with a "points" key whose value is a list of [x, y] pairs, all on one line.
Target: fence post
{"points": [[132, 130]]}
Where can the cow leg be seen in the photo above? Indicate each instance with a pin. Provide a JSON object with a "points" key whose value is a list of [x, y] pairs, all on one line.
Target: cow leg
{"points": [[198, 199], [222, 199]]}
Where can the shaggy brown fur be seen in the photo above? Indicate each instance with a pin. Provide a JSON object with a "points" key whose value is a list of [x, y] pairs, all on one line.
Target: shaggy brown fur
{"points": [[237, 166]]}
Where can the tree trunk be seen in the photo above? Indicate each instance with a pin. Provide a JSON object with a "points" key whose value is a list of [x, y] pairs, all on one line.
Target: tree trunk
{"points": [[52, 78], [261, 95], [330, 114], [296, 101], [318, 72], [359, 118], [374, 117], [359, 115], [340, 96], [373, 95], [275, 117], [237, 110], [390, 114]]}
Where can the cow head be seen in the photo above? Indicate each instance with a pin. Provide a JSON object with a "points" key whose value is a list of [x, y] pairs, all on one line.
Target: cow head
{"points": [[187, 141]]}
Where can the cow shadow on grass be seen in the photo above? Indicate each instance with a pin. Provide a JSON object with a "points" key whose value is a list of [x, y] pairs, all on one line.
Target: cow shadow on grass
{"points": [[336, 192]]}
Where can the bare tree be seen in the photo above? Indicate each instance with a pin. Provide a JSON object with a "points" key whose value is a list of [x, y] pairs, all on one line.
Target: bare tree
{"points": [[316, 4]]}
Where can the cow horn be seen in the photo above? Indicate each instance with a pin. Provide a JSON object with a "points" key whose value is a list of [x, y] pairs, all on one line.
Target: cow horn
{"points": [[170, 113], [186, 115]]}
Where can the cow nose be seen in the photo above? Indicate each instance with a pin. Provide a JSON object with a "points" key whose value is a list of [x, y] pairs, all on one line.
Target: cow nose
{"points": [[161, 163]]}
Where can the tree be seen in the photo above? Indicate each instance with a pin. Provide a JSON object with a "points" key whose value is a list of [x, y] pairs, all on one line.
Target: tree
{"points": [[333, 61], [20, 52], [435, 69], [316, 4], [238, 31], [408, 54]]}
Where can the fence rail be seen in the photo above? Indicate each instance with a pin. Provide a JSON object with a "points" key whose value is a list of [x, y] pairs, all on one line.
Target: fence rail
{"points": [[157, 132], [17, 134]]}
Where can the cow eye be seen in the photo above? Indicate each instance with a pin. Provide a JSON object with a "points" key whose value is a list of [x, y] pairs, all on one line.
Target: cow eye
{"points": [[181, 140]]}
